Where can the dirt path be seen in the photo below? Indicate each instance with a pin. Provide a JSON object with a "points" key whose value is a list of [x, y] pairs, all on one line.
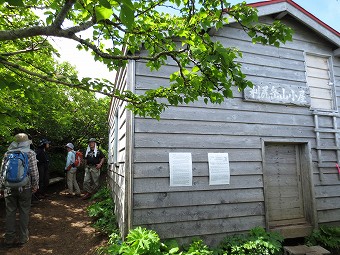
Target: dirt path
{"points": [[58, 225]]}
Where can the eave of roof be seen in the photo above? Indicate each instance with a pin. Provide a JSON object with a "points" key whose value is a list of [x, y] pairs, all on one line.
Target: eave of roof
{"points": [[263, 3], [278, 6]]}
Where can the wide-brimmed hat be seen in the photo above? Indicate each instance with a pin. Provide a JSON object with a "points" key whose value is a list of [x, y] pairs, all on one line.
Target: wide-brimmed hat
{"points": [[44, 141], [21, 137], [92, 140], [70, 145]]}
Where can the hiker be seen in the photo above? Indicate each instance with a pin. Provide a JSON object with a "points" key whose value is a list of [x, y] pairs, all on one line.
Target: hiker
{"points": [[18, 194], [94, 159], [43, 162], [71, 172]]}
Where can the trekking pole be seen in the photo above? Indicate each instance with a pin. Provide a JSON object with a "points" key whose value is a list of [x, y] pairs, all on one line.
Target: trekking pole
{"points": [[35, 196]]}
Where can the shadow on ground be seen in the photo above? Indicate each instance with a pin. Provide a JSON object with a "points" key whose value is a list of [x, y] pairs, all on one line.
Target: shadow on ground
{"points": [[58, 225]]}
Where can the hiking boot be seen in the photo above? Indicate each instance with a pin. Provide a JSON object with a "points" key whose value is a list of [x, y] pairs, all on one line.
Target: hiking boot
{"points": [[86, 196], [34, 202], [22, 243], [40, 196], [9, 244]]}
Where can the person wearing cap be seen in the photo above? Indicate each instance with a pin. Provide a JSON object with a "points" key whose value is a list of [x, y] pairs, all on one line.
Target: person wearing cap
{"points": [[94, 159], [71, 172], [19, 198], [43, 163]]}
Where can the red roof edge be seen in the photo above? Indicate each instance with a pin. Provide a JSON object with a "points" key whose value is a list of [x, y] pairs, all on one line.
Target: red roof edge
{"points": [[264, 3]]}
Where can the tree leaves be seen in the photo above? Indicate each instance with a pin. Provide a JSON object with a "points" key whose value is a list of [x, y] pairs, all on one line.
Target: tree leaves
{"points": [[127, 13], [135, 30], [105, 4], [15, 3], [103, 13]]}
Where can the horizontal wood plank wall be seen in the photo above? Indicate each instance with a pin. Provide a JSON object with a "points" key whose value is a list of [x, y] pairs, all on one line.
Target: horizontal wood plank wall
{"points": [[235, 127], [116, 173], [327, 192]]}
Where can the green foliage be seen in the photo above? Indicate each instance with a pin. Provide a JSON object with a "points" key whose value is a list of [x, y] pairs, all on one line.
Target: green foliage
{"points": [[198, 248], [57, 164], [141, 241], [257, 242], [113, 245], [326, 236], [102, 212], [62, 115], [205, 69], [170, 246]]}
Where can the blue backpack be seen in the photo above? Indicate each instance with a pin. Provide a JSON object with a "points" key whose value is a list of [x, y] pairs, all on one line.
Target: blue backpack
{"points": [[15, 169]]}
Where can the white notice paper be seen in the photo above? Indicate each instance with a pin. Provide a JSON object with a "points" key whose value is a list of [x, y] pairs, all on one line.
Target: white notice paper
{"points": [[180, 169], [219, 172]]}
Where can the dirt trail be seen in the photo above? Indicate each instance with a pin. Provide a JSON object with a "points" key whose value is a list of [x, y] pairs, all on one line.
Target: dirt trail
{"points": [[58, 225]]}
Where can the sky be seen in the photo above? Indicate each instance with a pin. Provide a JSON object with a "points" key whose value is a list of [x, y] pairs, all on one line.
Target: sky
{"points": [[327, 11]]}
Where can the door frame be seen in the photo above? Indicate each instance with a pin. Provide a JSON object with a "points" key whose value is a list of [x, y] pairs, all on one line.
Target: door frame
{"points": [[306, 179]]}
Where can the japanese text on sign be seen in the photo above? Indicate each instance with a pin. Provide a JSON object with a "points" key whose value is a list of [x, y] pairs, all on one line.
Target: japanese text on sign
{"points": [[280, 94]]}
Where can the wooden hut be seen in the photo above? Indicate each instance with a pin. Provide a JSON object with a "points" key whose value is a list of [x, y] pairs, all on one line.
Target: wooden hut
{"points": [[268, 157]]}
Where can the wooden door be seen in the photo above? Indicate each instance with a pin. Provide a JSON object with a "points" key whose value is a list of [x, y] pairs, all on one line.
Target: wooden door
{"points": [[283, 189]]}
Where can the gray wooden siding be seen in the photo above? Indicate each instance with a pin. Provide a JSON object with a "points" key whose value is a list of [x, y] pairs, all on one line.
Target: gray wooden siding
{"points": [[320, 81], [118, 167], [235, 127]]}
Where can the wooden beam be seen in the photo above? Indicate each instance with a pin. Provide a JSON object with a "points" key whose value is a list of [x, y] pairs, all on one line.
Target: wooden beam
{"points": [[281, 15], [336, 52]]}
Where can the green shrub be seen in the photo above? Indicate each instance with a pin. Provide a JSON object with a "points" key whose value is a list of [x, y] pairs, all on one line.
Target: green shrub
{"points": [[141, 241], [102, 212], [113, 245], [198, 248], [57, 164], [170, 246], [328, 237], [257, 242]]}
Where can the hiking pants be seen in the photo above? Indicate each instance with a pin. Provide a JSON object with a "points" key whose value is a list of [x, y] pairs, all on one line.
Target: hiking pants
{"points": [[16, 199], [91, 179], [72, 181], [44, 177]]}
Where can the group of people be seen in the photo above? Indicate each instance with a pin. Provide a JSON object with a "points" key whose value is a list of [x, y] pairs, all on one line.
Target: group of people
{"points": [[19, 198], [94, 161]]}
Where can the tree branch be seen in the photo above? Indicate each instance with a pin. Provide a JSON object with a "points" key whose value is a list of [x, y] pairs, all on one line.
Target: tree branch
{"points": [[57, 81], [63, 13], [9, 54], [124, 57]]}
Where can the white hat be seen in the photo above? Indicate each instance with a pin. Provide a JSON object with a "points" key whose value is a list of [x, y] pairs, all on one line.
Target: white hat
{"points": [[70, 145]]}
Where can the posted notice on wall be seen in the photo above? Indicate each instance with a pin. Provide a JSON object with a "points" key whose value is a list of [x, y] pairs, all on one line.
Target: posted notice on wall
{"points": [[180, 169], [219, 172]]}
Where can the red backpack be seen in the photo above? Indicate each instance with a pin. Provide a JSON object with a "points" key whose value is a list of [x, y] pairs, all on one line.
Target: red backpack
{"points": [[79, 159]]}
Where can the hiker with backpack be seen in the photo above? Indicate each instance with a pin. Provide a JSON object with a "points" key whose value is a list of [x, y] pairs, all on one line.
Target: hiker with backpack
{"points": [[19, 179], [43, 163], [94, 159], [71, 171]]}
